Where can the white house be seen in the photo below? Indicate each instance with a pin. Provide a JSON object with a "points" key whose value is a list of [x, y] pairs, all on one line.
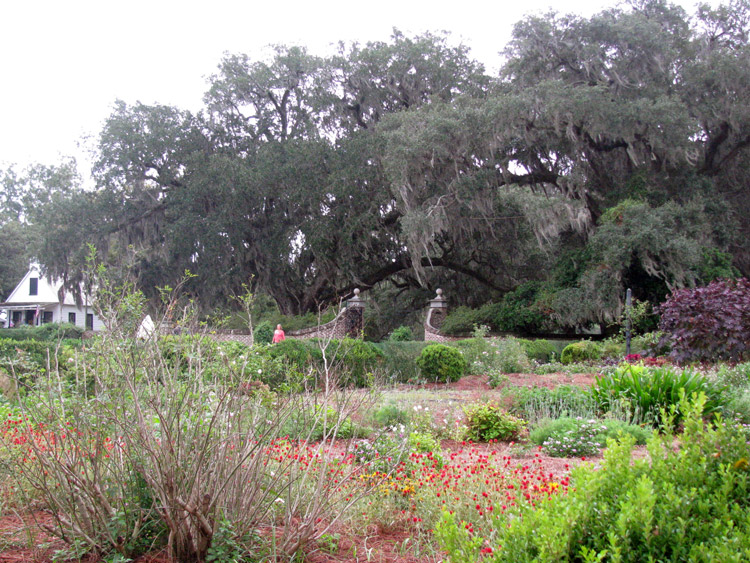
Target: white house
{"points": [[36, 300]]}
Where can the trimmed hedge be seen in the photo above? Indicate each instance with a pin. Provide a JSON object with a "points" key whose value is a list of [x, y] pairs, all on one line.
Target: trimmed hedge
{"points": [[442, 363], [581, 352]]}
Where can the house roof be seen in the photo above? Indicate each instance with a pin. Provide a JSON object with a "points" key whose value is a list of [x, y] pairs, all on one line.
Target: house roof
{"points": [[48, 292]]}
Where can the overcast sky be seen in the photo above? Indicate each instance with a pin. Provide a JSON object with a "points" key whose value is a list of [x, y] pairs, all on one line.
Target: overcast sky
{"points": [[64, 62]]}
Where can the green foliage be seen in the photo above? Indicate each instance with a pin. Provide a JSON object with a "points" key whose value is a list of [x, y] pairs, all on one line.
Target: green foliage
{"points": [[538, 403], [441, 363], [390, 414], [263, 333], [582, 351], [356, 360], [681, 504], [460, 320], [519, 311], [479, 353], [582, 439], [574, 437], [487, 421], [649, 390], [302, 355], [511, 356], [399, 362], [540, 350], [45, 332], [401, 334]]}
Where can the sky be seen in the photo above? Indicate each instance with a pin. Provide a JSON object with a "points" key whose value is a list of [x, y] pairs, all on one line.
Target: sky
{"points": [[63, 63]]}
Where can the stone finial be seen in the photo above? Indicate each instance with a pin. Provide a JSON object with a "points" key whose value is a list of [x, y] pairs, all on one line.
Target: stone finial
{"points": [[438, 301], [355, 301]]}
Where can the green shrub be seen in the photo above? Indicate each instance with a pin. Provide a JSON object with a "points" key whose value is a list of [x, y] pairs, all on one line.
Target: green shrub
{"points": [[479, 353], [583, 439], [356, 360], [263, 333], [613, 348], [511, 357], [390, 414], [487, 421], [303, 355], [540, 350], [736, 376], [460, 320], [582, 351], [518, 311], [580, 434], [47, 331], [690, 503], [399, 361], [401, 334], [648, 390], [441, 363]]}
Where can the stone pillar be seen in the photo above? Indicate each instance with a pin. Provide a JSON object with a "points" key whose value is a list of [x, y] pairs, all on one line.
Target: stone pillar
{"points": [[354, 318], [438, 310]]}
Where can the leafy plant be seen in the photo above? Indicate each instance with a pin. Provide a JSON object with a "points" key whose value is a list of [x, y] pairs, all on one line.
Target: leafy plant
{"points": [[511, 356], [441, 363], [399, 360], [708, 323], [487, 421], [401, 334], [540, 349], [390, 414], [537, 403], [571, 437], [582, 351], [650, 389], [263, 333], [580, 440]]}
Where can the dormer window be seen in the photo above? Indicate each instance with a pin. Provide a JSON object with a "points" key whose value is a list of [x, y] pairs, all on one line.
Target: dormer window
{"points": [[33, 286]]}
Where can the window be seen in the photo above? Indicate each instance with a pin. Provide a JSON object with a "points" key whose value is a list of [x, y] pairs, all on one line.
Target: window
{"points": [[72, 318], [89, 321], [46, 317], [33, 286]]}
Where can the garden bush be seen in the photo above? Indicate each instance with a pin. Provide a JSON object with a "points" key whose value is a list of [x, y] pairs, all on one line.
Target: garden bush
{"points": [[355, 360], [460, 320], [401, 334], [582, 351], [540, 350], [690, 503], [487, 421], [480, 354], [441, 363], [571, 437], [708, 323], [399, 361], [303, 355], [511, 356], [47, 331], [390, 414], [263, 333], [648, 390]]}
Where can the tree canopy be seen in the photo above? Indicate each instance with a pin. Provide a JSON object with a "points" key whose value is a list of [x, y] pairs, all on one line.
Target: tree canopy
{"points": [[610, 151]]}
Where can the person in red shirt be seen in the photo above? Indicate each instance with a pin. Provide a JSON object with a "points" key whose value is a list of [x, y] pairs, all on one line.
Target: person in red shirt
{"points": [[278, 334]]}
